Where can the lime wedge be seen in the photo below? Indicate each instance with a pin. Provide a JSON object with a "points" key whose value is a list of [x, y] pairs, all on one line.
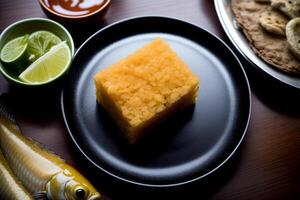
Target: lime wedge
{"points": [[14, 50], [49, 66], [40, 42]]}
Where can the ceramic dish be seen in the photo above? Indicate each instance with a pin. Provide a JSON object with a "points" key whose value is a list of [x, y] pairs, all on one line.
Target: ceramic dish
{"points": [[191, 145], [83, 15]]}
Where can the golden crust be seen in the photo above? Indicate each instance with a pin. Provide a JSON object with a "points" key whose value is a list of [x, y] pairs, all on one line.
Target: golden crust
{"points": [[146, 87]]}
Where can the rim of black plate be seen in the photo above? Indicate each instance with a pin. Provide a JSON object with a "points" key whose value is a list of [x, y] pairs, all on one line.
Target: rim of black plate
{"points": [[141, 183]]}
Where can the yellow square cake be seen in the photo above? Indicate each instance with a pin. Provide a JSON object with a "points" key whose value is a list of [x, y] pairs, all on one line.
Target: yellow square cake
{"points": [[145, 88]]}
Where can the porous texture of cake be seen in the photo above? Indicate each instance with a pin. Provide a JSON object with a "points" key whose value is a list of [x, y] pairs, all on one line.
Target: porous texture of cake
{"points": [[145, 88]]}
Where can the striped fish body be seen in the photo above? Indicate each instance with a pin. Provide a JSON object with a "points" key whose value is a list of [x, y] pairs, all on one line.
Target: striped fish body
{"points": [[10, 187], [43, 174], [26, 158]]}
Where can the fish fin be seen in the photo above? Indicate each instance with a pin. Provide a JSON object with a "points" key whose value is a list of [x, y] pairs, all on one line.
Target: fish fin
{"points": [[6, 111], [40, 195]]}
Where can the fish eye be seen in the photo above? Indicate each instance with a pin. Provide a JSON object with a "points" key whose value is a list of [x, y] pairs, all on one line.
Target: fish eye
{"points": [[80, 193]]}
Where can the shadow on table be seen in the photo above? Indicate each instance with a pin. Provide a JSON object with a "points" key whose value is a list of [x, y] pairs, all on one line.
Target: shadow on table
{"points": [[81, 32], [274, 94], [36, 102]]}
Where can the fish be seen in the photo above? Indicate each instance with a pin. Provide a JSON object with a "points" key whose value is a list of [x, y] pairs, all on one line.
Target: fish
{"points": [[44, 174], [10, 187]]}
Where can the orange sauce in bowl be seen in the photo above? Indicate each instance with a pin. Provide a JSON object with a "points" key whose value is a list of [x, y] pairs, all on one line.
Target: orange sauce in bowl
{"points": [[74, 8]]}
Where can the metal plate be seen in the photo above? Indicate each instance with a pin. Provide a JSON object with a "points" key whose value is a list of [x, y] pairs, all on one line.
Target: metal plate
{"points": [[192, 144], [226, 17]]}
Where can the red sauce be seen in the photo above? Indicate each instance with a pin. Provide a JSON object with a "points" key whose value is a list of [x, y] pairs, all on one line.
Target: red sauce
{"points": [[74, 7]]}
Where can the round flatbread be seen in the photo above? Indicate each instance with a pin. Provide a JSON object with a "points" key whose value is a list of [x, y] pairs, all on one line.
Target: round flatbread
{"points": [[271, 48], [272, 22], [293, 36], [289, 7]]}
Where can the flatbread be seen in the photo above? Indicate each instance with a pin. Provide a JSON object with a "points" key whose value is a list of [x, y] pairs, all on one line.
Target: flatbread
{"points": [[289, 7], [273, 22], [293, 36], [271, 48]]}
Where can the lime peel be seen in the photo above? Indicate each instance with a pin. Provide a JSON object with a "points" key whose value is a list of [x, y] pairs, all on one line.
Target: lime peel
{"points": [[14, 50], [49, 66]]}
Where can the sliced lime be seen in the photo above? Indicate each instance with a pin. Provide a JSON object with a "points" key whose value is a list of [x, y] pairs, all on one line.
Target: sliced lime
{"points": [[49, 66], [40, 42], [14, 50]]}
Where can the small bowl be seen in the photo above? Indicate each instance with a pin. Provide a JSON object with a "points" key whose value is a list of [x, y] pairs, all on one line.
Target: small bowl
{"points": [[75, 19], [28, 26]]}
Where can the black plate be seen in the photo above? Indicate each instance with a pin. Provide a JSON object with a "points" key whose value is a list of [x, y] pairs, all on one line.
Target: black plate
{"points": [[192, 144]]}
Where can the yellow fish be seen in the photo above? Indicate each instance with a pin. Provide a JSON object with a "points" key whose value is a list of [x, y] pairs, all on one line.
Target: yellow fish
{"points": [[10, 187], [43, 174]]}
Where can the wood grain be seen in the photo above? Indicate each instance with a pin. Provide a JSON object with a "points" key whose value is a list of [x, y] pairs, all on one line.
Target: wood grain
{"points": [[267, 166]]}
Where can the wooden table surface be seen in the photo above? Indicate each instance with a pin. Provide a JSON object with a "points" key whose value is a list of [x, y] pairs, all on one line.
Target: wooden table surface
{"points": [[267, 165]]}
